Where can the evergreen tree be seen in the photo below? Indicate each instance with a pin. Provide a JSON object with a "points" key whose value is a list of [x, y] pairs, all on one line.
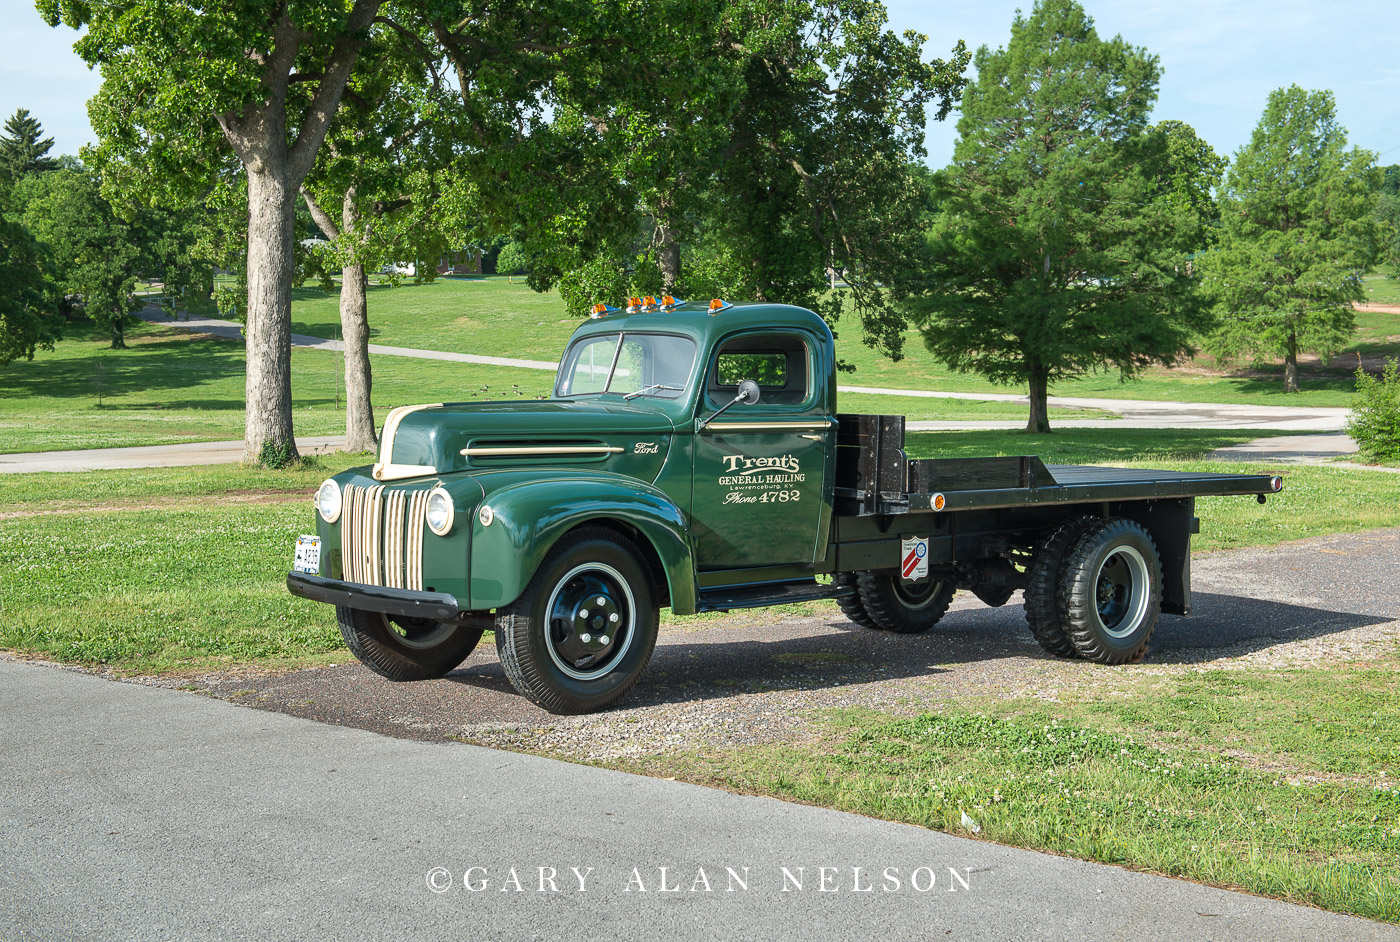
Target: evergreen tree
{"points": [[1064, 225], [1298, 230], [22, 150]]}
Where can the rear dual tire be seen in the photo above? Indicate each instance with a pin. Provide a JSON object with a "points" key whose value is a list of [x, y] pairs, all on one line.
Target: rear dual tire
{"points": [[1094, 590], [885, 602]]}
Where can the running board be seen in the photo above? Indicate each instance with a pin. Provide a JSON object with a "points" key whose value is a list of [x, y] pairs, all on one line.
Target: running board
{"points": [[724, 598]]}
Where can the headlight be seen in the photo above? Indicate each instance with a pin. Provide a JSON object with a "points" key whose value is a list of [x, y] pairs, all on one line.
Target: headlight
{"points": [[328, 501], [440, 512]]}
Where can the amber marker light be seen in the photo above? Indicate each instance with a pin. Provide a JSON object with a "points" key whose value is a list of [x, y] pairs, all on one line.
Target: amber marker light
{"points": [[599, 309], [938, 501], [667, 301]]}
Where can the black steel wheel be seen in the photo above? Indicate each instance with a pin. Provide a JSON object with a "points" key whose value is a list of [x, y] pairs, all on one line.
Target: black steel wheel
{"points": [[851, 605], [903, 607], [1111, 592], [583, 630], [1043, 614], [404, 649]]}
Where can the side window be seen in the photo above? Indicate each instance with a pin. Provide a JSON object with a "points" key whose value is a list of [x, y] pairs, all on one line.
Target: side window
{"points": [[777, 362]]}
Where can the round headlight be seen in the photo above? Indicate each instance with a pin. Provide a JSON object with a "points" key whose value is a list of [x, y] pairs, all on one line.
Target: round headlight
{"points": [[440, 512], [328, 501]]}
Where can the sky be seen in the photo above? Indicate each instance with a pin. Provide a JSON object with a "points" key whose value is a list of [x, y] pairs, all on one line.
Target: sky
{"points": [[1220, 60]]}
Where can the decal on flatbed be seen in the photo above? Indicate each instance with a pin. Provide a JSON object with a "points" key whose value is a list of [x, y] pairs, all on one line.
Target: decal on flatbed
{"points": [[914, 558]]}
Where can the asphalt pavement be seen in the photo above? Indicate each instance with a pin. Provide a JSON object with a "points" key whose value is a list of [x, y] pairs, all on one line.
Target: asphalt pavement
{"points": [[134, 813]]}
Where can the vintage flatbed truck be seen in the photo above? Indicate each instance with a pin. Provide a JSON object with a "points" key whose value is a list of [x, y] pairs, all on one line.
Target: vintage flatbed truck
{"points": [[691, 456]]}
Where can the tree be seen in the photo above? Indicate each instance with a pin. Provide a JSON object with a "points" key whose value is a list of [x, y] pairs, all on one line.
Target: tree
{"points": [[512, 261], [1061, 231], [185, 81], [1297, 232], [27, 318], [22, 151], [379, 172], [778, 140], [94, 254]]}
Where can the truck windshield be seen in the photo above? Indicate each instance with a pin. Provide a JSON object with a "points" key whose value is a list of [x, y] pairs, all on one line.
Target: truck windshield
{"points": [[627, 364]]}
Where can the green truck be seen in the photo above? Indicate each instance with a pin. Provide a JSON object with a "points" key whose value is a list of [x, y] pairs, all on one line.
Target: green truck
{"points": [[691, 456]]}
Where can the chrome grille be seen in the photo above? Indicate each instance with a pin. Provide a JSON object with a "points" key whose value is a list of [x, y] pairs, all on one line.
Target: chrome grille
{"points": [[381, 536]]}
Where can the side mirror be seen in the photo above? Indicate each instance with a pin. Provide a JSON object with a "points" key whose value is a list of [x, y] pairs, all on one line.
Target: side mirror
{"points": [[748, 394]]}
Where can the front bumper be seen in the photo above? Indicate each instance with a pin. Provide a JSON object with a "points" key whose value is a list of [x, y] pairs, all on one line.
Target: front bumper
{"points": [[438, 606]]}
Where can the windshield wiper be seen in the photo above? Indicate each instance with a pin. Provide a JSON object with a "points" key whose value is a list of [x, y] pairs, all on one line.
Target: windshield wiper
{"points": [[647, 389]]}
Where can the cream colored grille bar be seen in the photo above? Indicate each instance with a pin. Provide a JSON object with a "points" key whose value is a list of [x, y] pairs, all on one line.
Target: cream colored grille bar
{"points": [[381, 536], [537, 450]]}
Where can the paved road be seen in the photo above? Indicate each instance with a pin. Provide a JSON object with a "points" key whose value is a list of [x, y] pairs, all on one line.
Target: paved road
{"points": [[133, 813]]}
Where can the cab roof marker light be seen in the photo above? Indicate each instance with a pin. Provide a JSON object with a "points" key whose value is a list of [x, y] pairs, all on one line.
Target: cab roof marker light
{"points": [[634, 305], [717, 305], [649, 303], [669, 303], [600, 310]]}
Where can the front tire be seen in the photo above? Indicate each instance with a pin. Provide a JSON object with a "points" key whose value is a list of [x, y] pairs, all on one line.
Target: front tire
{"points": [[582, 632], [904, 608], [1111, 592], [404, 649]]}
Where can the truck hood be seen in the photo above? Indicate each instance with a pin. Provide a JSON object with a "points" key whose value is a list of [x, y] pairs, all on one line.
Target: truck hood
{"points": [[527, 433]]}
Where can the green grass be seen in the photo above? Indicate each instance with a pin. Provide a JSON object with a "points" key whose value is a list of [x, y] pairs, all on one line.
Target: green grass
{"points": [[169, 387], [172, 387], [1382, 287], [1285, 783], [475, 315]]}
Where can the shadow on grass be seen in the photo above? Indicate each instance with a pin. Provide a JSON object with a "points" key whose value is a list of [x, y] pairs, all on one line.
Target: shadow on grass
{"points": [[175, 364]]}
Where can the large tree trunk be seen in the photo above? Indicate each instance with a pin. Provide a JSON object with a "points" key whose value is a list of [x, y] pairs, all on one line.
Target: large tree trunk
{"points": [[354, 327], [1039, 395], [271, 263], [1290, 364]]}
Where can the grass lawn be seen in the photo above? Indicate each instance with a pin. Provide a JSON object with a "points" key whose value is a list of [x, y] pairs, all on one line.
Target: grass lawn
{"points": [[170, 386], [476, 315], [1280, 782]]}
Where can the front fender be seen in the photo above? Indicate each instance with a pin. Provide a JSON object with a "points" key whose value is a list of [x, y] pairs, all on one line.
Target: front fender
{"points": [[530, 517]]}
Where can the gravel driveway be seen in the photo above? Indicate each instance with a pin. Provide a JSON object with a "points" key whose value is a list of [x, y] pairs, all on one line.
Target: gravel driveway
{"points": [[751, 678]]}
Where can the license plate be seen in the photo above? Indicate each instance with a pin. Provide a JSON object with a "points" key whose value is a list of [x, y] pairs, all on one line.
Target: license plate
{"points": [[307, 557]]}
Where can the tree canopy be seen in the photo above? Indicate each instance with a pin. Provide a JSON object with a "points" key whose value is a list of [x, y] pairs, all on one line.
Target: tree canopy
{"points": [[1061, 232], [1297, 231]]}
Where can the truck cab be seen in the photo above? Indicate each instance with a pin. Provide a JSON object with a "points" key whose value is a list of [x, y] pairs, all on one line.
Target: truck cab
{"points": [[691, 456]]}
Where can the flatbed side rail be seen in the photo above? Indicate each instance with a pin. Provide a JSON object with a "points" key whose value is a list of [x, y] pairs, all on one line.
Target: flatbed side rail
{"points": [[1081, 484]]}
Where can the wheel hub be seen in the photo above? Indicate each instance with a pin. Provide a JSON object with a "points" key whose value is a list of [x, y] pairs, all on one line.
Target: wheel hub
{"points": [[1120, 591], [590, 621]]}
